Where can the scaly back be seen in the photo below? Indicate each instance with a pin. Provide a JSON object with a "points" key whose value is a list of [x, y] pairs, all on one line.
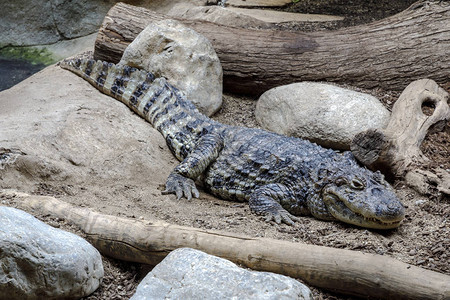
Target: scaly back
{"points": [[154, 99]]}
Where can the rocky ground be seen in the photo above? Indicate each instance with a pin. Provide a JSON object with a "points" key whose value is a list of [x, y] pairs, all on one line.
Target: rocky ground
{"points": [[422, 240]]}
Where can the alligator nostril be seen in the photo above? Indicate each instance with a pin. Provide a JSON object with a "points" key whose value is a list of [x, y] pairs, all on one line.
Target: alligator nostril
{"points": [[396, 207], [376, 192]]}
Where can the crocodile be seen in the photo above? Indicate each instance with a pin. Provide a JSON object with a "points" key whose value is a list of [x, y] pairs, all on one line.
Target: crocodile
{"points": [[280, 177]]}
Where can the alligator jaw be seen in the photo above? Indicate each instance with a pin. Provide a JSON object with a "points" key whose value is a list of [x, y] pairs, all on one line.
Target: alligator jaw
{"points": [[338, 208]]}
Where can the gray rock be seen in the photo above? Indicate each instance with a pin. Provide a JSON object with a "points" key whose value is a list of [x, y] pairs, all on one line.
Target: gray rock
{"points": [[27, 23], [322, 113], [191, 274], [164, 6], [40, 22], [216, 14], [274, 16], [258, 3], [79, 18], [41, 262], [80, 141], [187, 59], [244, 17]]}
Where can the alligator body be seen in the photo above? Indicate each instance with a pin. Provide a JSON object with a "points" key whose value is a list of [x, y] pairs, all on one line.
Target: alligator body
{"points": [[281, 177]]}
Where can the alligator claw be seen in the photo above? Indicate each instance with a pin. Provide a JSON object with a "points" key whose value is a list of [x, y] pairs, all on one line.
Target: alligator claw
{"points": [[281, 216], [180, 186], [265, 201]]}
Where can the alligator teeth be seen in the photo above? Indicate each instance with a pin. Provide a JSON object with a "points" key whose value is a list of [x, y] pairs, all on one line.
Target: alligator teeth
{"points": [[379, 221]]}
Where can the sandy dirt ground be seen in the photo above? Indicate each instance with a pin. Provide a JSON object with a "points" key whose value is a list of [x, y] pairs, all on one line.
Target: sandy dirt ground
{"points": [[422, 240]]}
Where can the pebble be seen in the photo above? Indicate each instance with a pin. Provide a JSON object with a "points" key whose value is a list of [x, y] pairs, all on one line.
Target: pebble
{"points": [[421, 201]]}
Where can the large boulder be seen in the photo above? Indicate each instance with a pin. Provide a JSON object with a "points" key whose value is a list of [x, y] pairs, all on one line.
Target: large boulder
{"points": [[60, 134], [187, 59], [322, 113], [38, 22], [41, 262], [191, 274], [46, 22]]}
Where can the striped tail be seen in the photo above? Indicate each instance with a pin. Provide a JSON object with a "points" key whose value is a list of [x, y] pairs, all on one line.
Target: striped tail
{"points": [[154, 99]]}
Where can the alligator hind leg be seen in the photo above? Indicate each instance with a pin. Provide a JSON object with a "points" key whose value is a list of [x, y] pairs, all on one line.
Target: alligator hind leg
{"points": [[181, 179], [269, 200]]}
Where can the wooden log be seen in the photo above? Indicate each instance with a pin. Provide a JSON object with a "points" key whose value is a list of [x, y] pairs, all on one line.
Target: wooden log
{"points": [[436, 183], [388, 53], [338, 270], [396, 149]]}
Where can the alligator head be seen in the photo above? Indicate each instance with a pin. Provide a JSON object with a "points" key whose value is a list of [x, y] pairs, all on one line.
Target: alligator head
{"points": [[358, 196]]}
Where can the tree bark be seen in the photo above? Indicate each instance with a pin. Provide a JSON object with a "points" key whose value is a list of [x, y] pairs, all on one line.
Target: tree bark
{"points": [[388, 53], [342, 271]]}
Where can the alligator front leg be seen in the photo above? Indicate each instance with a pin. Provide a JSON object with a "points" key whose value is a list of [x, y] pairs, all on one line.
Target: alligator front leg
{"points": [[269, 200], [181, 179]]}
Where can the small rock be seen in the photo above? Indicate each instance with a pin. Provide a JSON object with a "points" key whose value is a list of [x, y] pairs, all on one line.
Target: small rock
{"points": [[184, 57], [191, 274], [322, 113], [41, 262], [421, 201]]}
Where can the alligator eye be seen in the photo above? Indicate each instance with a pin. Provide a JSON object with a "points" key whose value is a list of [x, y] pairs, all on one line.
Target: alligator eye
{"points": [[357, 184], [341, 181]]}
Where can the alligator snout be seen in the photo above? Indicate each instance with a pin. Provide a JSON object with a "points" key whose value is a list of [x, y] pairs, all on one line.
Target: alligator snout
{"points": [[388, 208]]}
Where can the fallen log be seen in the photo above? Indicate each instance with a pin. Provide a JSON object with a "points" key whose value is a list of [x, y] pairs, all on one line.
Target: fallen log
{"points": [[338, 270], [388, 53], [395, 150], [436, 183]]}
